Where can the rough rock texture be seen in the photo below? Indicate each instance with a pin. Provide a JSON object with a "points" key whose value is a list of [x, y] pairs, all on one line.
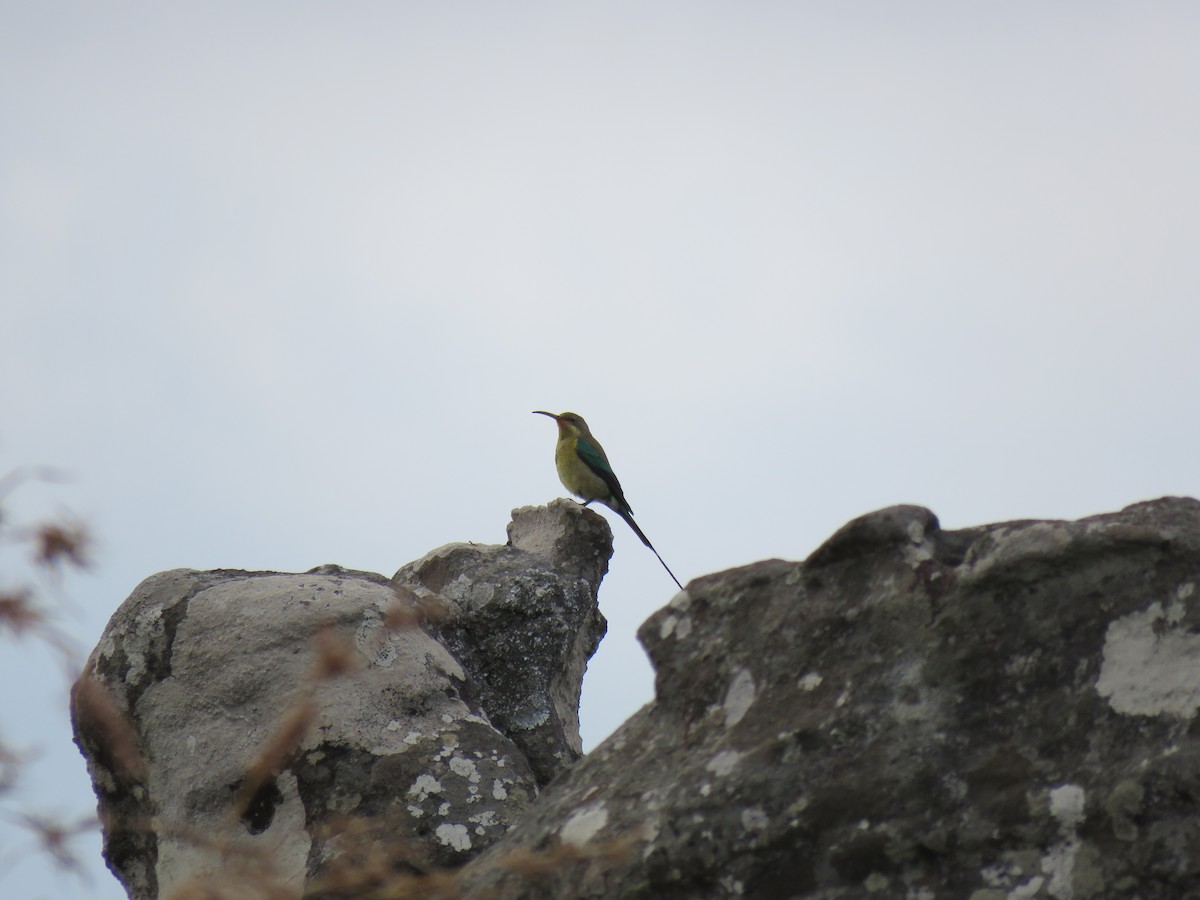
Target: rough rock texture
{"points": [[997, 713], [332, 691], [524, 657]]}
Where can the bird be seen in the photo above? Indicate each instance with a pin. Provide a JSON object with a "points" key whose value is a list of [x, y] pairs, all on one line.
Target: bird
{"points": [[584, 470]]}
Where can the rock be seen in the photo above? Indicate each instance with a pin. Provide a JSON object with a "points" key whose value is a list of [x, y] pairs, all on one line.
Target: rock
{"points": [[528, 622], [299, 726], [1007, 711], [1002, 712]]}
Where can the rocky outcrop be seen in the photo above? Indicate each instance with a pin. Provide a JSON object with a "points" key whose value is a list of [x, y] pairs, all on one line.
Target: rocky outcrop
{"points": [[527, 623], [285, 722], [1001, 712], [1006, 711]]}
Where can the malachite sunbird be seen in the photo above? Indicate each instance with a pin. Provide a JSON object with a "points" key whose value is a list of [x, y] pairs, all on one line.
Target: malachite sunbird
{"points": [[584, 470]]}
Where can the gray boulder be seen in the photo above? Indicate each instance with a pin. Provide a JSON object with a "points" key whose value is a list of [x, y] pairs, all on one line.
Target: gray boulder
{"points": [[290, 727]]}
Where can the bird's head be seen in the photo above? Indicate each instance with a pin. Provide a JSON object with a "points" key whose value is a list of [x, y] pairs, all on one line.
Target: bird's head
{"points": [[569, 424]]}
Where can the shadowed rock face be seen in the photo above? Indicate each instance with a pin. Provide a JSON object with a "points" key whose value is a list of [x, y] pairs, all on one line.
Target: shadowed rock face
{"points": [[1006, 711], [1000, 712], [418, 715], [527, 623]]}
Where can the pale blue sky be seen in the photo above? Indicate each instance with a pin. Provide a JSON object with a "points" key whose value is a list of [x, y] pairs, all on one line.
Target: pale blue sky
{"points": [[281, 284]]}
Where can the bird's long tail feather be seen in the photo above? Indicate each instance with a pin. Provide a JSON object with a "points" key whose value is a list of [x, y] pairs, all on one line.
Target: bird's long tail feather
{"points": [[628, 517]]}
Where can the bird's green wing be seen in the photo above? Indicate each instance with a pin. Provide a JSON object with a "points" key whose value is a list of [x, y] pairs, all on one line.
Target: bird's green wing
{"points": [[594, 458]]}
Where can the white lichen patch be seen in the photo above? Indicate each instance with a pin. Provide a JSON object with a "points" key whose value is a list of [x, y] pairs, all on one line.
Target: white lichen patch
{"points": [[137, 667], [919, 550], [148, 620], [1006, 872], [584, 824], [754, 818], [1067, 804], [738, 697], [1028, 889], [457, 837], [458, 589], [682, 601], [531, 718], [667, 627], [680, 626], [732, 886], [465, 768], [795, 808], [1151, 666], [999, 874], [483, 820], [876, 882], [722, 764], [424, 786], [1177, 608], [810, 682], [500, 788], [649, 834]]}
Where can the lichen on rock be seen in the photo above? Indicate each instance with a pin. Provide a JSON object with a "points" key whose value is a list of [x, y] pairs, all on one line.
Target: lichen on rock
{"points": [[1004, 711]]}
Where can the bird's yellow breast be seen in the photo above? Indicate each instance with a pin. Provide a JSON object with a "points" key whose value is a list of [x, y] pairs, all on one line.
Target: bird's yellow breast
{"points": [[575, 475]]}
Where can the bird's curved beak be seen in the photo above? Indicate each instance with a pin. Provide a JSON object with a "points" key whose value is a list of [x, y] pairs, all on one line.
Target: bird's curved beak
{"points": [[542, 412]]}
